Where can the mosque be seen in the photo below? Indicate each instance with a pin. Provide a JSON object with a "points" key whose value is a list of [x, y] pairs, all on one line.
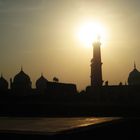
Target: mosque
{"points": [[22, 82], [55, 98]]}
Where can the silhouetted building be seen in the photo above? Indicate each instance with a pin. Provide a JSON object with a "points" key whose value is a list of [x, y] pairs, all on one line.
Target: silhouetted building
{"points": [[21, 82], [96, 65], [3, 83], [41, 83], [61, 88], [134, 77]]}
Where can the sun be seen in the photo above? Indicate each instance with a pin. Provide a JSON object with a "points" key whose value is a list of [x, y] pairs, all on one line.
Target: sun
{"points": [[89, 32]]}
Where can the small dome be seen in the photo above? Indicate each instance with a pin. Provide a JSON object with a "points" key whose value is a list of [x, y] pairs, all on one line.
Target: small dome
{"points": [[3, 83], [22, 81], [134, 77], [41, 83]]}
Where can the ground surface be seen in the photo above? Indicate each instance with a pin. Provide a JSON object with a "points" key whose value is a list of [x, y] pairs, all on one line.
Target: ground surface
{"points": [[123, 129]]}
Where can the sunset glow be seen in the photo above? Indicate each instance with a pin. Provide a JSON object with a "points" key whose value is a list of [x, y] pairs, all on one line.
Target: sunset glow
{"points": [[55, 37], [90, 32]]}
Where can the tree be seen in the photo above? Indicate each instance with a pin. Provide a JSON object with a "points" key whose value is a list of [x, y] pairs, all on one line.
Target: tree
{"points": [[55, 79]]}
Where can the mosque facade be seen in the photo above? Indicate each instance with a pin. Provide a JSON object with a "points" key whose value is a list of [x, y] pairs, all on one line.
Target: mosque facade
{"points": [[21, 83]]}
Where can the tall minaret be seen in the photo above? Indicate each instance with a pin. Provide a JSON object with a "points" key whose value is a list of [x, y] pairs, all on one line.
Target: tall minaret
{"points": [[96, 65]]}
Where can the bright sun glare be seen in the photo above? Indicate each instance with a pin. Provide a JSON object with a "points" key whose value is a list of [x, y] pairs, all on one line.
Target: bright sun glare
{"points": [[89, 32]]}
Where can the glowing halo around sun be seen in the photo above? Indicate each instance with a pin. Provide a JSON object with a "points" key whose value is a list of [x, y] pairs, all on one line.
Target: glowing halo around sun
{"points": [[89, 32]]}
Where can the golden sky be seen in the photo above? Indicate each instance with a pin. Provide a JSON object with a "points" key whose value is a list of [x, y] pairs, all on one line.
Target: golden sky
{"points": [[40, 35]]}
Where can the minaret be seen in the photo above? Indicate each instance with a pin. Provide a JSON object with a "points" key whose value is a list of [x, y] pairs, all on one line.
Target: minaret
{"points": [[96, 65]]}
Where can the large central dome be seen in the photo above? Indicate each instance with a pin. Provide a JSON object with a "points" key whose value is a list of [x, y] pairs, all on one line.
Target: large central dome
{"points": [[21, 77], [21, 81]]}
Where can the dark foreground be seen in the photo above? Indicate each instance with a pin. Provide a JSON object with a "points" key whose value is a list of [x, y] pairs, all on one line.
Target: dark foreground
{"points": [[118, 129], [67, 110]]}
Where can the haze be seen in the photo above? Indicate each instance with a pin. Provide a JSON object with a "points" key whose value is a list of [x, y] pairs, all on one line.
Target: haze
{"points": [[40, 36]]}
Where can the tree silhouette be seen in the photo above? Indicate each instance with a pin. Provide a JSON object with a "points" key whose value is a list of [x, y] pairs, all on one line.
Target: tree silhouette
{"points": [[55, 79]]}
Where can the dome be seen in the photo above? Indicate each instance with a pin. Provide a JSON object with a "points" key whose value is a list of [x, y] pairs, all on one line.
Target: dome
{"points": [[22, 81], [41, 83], [21, 77], [134, 77], [3, 83]]}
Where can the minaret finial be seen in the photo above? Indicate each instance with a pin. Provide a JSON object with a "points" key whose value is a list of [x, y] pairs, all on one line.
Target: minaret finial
{"points": [[41, 73], [1, 75], [21, 68], [134, 65]]}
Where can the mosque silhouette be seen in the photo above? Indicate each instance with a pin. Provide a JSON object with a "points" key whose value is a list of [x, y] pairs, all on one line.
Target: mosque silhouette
{"points": [[22, 81], [63, 98]]}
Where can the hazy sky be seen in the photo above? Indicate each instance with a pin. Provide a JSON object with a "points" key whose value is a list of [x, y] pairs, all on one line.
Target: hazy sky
{"points": [[40, 35]]}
